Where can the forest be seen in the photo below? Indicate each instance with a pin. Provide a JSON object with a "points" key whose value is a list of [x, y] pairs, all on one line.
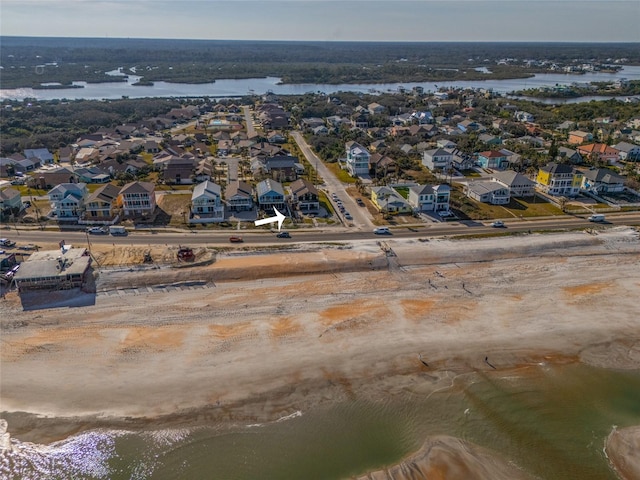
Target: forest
{"points": [[32, 61]]}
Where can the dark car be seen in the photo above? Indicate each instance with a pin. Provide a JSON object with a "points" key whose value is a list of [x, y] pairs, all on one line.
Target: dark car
{"points": [[236, 239], [283, 235]]}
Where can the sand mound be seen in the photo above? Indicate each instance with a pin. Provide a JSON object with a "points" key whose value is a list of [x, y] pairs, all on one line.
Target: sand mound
{"points": [[623, 449], [450, 458]]}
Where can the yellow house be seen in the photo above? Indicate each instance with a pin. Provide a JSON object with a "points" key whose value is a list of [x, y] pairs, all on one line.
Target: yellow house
{"points": [[559, 180]]}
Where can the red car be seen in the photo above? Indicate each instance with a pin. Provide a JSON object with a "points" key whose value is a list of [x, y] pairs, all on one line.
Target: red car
{"points": [[236, 239]]}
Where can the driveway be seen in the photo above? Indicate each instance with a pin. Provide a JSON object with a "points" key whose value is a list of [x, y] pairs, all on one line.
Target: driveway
{"points": [[361, 217]]}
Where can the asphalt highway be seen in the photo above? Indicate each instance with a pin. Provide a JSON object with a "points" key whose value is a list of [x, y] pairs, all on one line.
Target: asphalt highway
{"points": [[160, 236]]}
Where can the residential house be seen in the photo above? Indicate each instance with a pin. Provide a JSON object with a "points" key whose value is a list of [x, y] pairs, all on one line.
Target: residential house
{"points": [[87, 155], [602, 180], [284, 168], [53, 269], [570, 155], [566, 126], [224, 147], [320, 130], [388, 200], [422, 118], [489, 139], [357, 159], [382, 165], [599, 151], [138, 199], [467, 126], [375, 109], [10, 202], [558, 179], [42, 154], [522, 116], [206, 203], [276, 137], [437, 159], [518, 184], [444, 143], [270, 195], [425, 198], [51, 178], [304, 196], [578, 137], [179, 171], [101, 205], [239, 196], [628, 151], [493, 159], [312, 122], [491, 192], [68, 200], [65, 154], [92, 175]]}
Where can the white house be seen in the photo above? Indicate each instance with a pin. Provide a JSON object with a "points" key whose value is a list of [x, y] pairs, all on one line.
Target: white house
{"points": [[628, 151], [425, 198], [138, 198], [357, 159], [519, 185], [602, 180], [491, 192], [239, 196], [206, 203], [42, 154], [437, 158]]}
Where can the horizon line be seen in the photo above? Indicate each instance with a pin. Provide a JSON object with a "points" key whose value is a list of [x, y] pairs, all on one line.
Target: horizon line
{"points": [[330, 41]]}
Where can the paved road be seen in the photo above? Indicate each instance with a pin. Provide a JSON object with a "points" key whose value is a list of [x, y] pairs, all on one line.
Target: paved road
{"points": [[159, 236], [251, 131], [361, 218]]}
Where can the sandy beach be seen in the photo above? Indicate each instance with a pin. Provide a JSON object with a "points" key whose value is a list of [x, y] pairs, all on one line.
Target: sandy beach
{"points": [[255, 336]]}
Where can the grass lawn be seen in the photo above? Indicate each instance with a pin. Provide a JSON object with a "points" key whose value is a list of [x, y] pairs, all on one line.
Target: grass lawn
{"points": [[470, 173], [342, 175], [404, 191], [325, 203]]}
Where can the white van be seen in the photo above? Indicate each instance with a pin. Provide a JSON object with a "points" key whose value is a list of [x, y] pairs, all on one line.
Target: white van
{"points": [[382, 231], [598, 217]]}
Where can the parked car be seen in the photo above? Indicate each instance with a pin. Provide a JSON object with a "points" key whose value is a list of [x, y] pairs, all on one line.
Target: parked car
{"points": [[5, 242], [348, 216], [382, 231], [30, 246], [498, 224], [359, 202], [445, 213], [98, 230], [283, 235], [236, 239]]}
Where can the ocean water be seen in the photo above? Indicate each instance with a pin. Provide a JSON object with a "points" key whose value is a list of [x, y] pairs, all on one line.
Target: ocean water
{"points": [[551, 420]]}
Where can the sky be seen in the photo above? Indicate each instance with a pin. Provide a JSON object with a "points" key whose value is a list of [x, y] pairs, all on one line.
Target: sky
{"points": [[328, 20]]}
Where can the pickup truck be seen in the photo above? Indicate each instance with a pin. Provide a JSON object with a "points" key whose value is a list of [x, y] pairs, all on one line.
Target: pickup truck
{"points": [[5, 242]]}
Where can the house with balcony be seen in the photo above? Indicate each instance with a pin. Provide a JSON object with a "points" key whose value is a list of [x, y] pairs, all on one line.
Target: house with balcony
{"points": [[388, 200], [138, 199], [429, 198], [270, 195], [10, 202], [68, 200], [559, 180], [602, 180], [102, 204], [628, 151], [491, 192], [304, 196], [518, 184], [206, 203], [239, 196], [437, 159], [493, 159], [357, 162]]}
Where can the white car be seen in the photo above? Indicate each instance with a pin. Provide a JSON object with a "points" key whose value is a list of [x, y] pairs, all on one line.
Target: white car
{"points": [[498, 224], [445, 213], [382, 231]]}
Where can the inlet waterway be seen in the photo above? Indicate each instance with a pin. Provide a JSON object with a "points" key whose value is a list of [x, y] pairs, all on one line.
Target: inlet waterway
{"points": [[236, 88], [550, 420]]}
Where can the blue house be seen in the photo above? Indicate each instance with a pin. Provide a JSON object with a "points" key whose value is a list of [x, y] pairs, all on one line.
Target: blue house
{"points": [[270, 194]]}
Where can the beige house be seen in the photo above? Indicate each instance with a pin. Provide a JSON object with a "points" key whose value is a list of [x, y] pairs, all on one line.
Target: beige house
{"points": [[138, 199]]}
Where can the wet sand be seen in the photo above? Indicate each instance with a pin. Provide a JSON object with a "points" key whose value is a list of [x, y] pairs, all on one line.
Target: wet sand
{"points": [[270, 334]]}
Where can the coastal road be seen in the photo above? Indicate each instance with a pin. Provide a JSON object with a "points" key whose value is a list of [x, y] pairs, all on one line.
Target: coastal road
{"points": [[256, 237], [361, 219]]}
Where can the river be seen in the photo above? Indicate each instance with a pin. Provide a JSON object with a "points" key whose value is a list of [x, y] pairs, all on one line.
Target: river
{"points": [[550, 420], [235, 88]]}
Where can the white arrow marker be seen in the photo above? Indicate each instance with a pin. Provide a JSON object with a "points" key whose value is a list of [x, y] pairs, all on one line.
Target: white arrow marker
{"points": [[278, 218]]}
